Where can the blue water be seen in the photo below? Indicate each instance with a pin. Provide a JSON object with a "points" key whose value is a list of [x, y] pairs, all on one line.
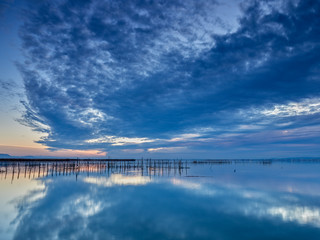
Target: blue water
{"points": [[155, 200]]}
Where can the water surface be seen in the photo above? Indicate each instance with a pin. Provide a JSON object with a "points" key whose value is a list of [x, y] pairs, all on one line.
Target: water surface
{"points": [[160, 200]]}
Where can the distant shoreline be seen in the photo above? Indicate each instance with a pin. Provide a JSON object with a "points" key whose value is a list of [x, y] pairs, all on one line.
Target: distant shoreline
{"points": [[64, 159], [196, 161]]}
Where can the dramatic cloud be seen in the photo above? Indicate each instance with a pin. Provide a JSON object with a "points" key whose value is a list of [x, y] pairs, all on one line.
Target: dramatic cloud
{"points": [[171, 75]]}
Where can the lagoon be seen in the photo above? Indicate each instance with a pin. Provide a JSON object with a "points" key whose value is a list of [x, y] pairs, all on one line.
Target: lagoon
{"points": [[160, 199]]}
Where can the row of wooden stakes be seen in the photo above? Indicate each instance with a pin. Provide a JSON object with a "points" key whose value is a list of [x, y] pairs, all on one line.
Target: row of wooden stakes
{"points": [[38, 169]]}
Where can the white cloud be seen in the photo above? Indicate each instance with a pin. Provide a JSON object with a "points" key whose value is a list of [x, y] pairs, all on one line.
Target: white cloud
{"points": [[87, 206], [249, 127], [118, 179], [186, 184], [167, 149], [260, 204], [301, 215], [304, 107], [120, 141], [185, 137], [92, 115]]}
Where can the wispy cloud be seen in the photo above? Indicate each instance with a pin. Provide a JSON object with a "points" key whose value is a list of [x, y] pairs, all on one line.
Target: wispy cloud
{"points": [[167, 149], [305, 107], [119, 141]]}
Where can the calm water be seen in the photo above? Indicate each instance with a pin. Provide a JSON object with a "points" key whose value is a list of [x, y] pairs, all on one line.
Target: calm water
{"points": [[160, 200]]}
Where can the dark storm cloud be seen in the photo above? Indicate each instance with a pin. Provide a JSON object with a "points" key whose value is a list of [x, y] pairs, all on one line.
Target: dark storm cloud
{"points": [[159, 69]]}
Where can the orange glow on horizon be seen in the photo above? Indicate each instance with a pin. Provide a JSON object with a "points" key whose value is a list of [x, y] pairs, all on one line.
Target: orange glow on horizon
{"points": [[42, 151]]}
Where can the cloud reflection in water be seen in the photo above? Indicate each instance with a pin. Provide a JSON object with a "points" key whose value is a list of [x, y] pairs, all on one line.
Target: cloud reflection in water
{"points": [[118, 179], [220, 206]]}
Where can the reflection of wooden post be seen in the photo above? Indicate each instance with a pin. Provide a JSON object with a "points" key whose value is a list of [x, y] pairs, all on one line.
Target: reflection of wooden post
{"points": [[186, 167], [34, 170], [29, 170], [88, 169], [67, 168], [18, 171], [161, 168], [13, 168], [5, 175], [39, 170], [142, 168]]}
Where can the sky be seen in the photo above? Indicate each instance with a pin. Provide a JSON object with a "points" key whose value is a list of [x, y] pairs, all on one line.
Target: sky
{"points": [[160, 79]]}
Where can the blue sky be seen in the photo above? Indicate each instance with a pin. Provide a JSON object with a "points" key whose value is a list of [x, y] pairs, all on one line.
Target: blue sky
{"points": [[174, 79]]}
